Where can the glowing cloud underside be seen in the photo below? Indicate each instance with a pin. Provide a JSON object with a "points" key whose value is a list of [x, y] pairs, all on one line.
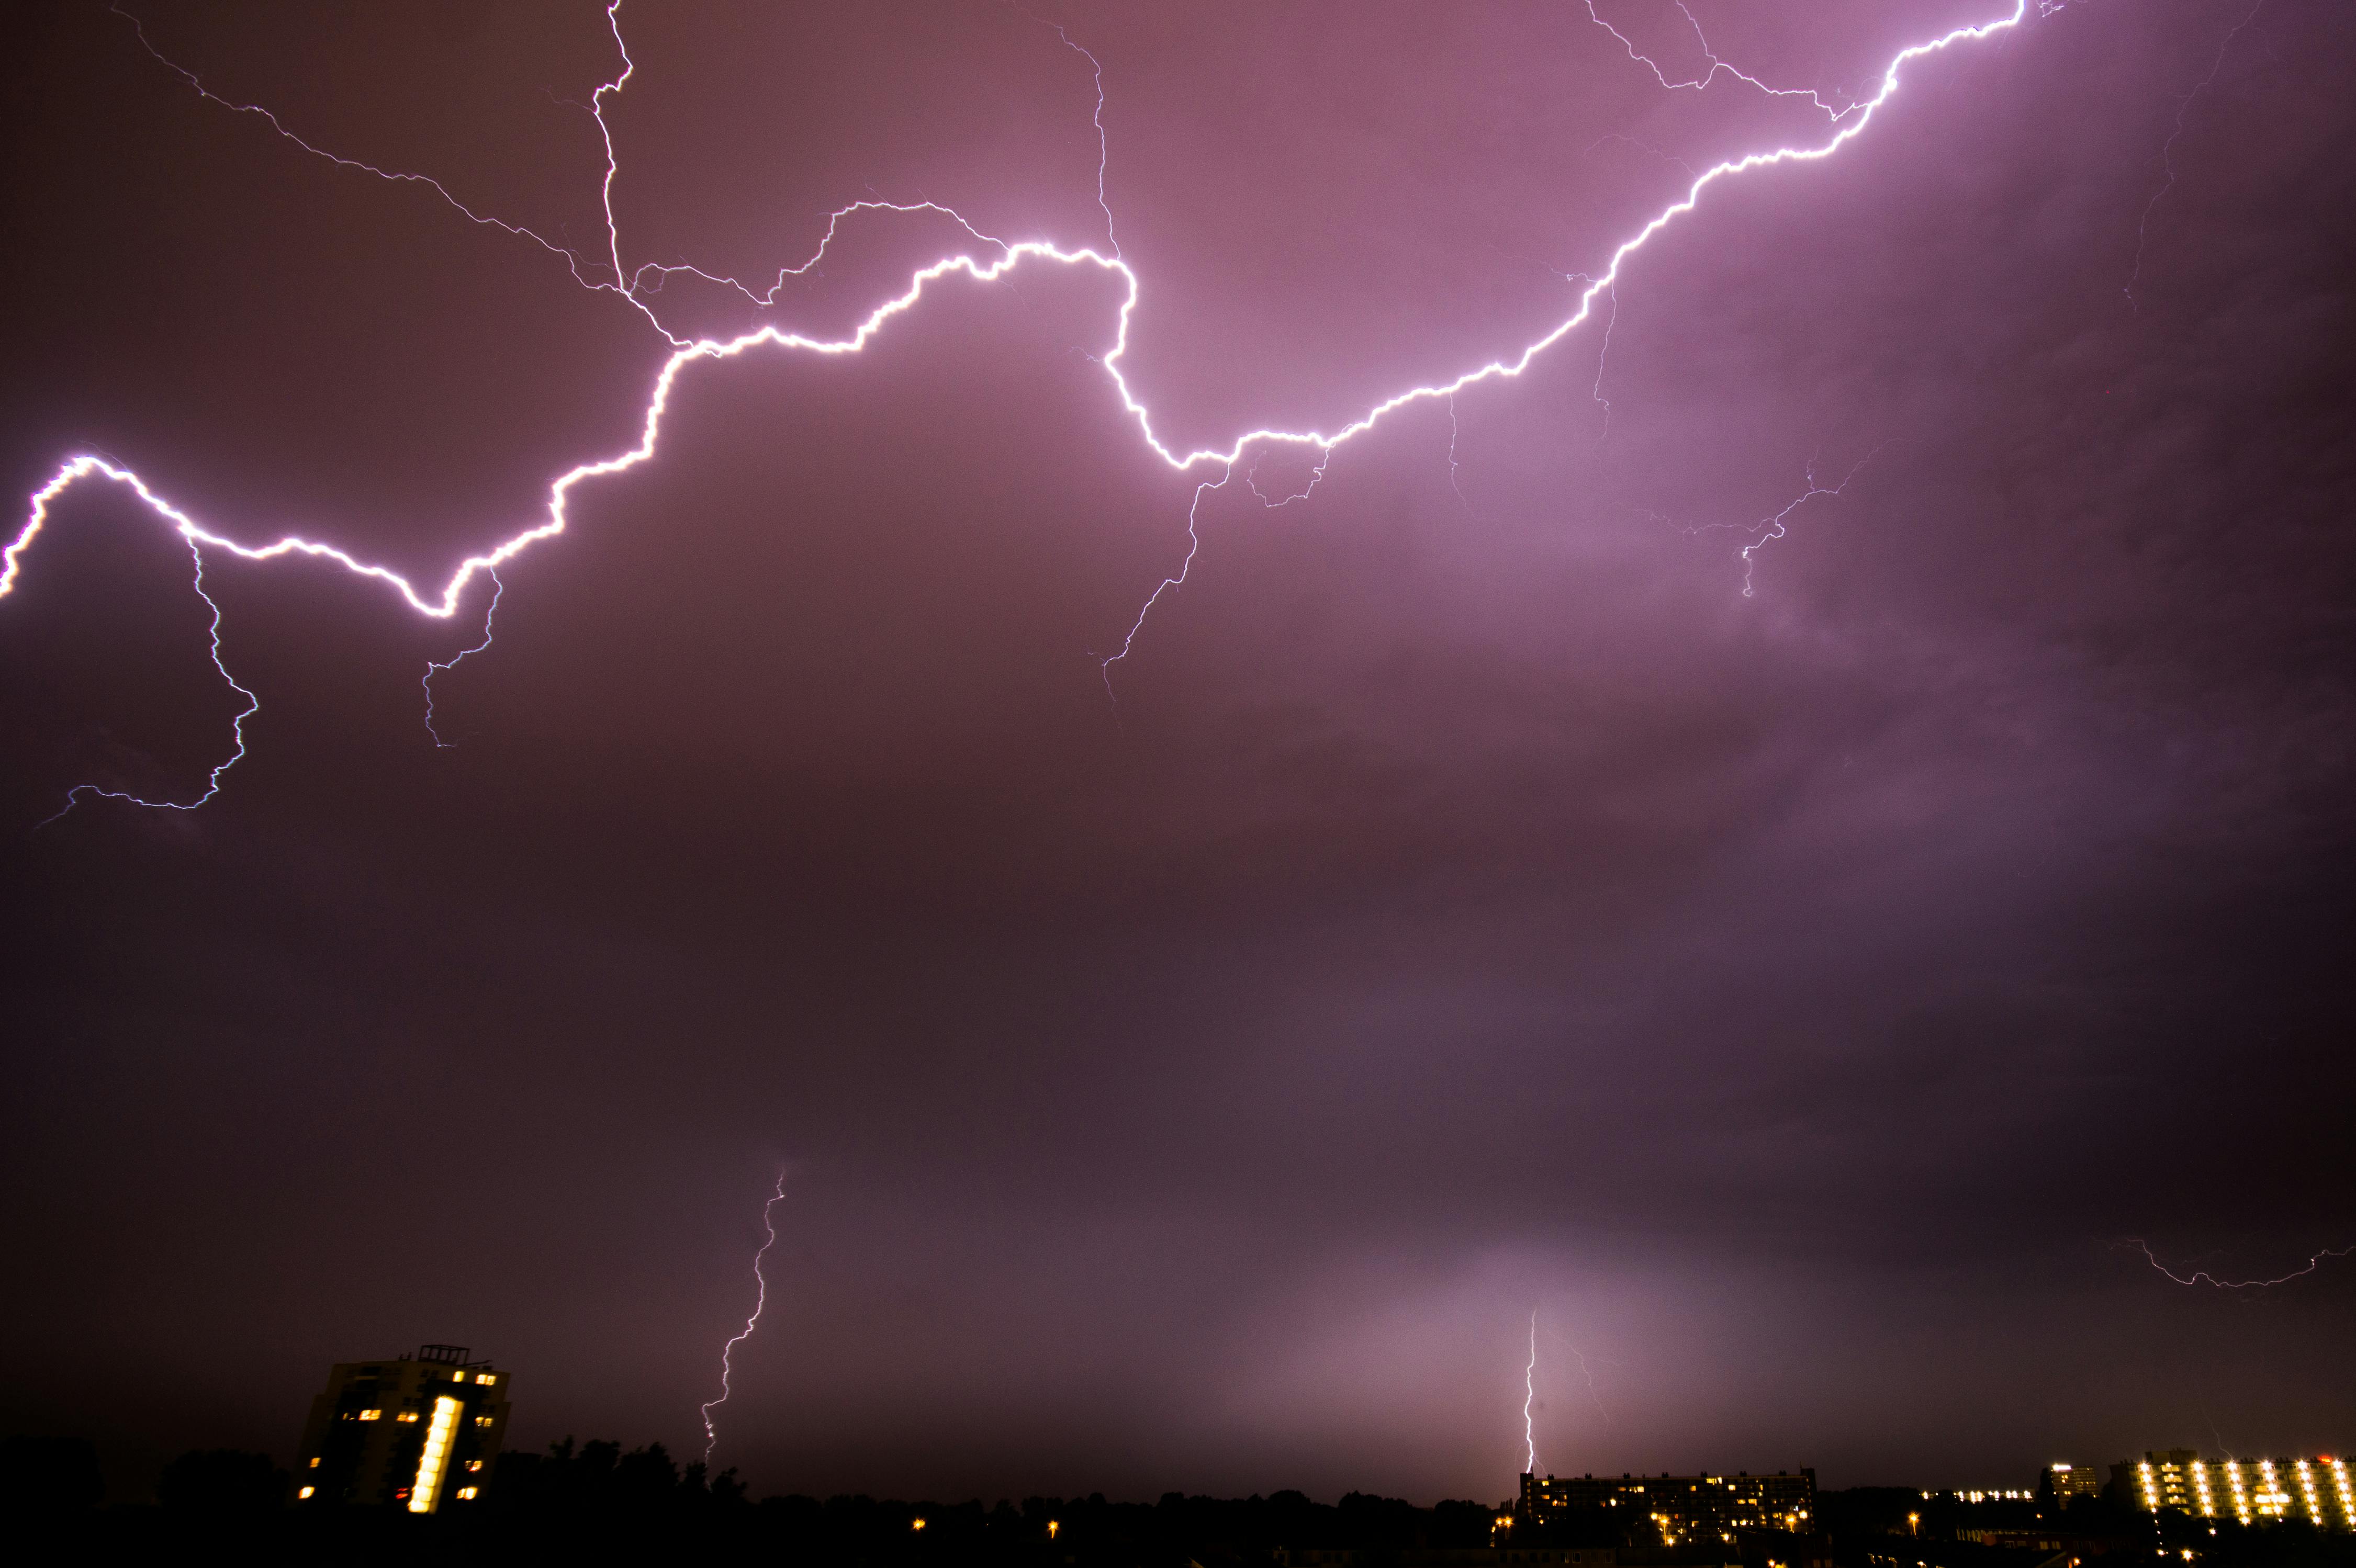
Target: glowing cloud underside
{"points": [[609, 275]]}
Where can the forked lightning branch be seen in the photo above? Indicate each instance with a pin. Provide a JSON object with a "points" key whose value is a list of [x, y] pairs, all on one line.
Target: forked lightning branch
{"points": [[988, 261]]}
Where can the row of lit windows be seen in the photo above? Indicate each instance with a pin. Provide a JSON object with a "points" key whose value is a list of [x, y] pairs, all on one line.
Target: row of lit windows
{"points": [[2255, 1495], [435, 1457]]}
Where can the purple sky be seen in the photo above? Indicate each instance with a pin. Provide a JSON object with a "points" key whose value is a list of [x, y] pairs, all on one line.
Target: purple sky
{"points": [[1469, 902]]}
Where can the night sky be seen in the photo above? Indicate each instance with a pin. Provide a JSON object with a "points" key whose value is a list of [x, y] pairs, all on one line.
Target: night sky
{"points": [[1465, 901]]}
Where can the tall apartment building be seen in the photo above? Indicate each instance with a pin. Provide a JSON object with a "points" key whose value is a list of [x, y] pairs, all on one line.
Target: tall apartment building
{"points": [[2072, 1481], [2254, 1491], [410, 1433], [1678, 1508]]}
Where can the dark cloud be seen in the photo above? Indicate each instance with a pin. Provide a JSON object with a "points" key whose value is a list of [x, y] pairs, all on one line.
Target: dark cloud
{"points": [[1465, 900]]}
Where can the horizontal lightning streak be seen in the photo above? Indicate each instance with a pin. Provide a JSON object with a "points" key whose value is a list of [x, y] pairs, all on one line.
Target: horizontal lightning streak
{"points": [[2202, 1276], [1717, 65], [441, 603]]}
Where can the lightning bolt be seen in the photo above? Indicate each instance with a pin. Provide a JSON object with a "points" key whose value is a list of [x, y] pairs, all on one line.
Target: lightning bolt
{"points": [[434, 667], [1603, 353], [1846, 124], [1585, 1371], [760, 1301], [1717, 66], [1453, 432], [1770, 529], [237, 725], [2168, 148], [2202, 1276], [1529, 1397]]}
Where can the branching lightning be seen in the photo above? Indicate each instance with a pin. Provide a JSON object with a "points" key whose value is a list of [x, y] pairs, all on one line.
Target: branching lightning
{"points": [[1194, 544], [1717, 67], [1768, 530], [2204, 1277], [1847, 121], [760, 1301], [213, 636], [435, 666]]}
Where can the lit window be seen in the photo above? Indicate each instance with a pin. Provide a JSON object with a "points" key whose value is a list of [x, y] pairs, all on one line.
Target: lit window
{"points": [[474, 1464], [482, 1420], [467, 1492], [484, 1378], [371, 1416], [314, 1461], [306, 1491], [435, 1456], [408, 1415]]}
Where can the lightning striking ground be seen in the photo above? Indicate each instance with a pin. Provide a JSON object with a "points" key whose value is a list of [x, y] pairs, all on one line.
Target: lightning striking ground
{"points": [[1529, 1398], [1848, 123], [760, 1302], [2204, 1277]]}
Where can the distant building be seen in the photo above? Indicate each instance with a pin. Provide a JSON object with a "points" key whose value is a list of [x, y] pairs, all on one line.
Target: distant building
{"points": [[2072, 1481], [410, 1433], [2254, 1491], [1440, 1557], [1680, 1509], [1984, 1494], [2077, 1547]]}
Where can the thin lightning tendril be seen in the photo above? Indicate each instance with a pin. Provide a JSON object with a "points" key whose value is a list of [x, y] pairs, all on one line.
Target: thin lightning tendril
{"points": [[1104, 148], [1603, 353], [1251, 476], [2202, 1276], [1529, 1397], [1848, 123], [1701, 83], [571, 257], [760, 1301], [1586, 1372], [435, 666], [2168, 148], [1769, 530], [237, 725], [1194, 543], [1453, 432]]}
